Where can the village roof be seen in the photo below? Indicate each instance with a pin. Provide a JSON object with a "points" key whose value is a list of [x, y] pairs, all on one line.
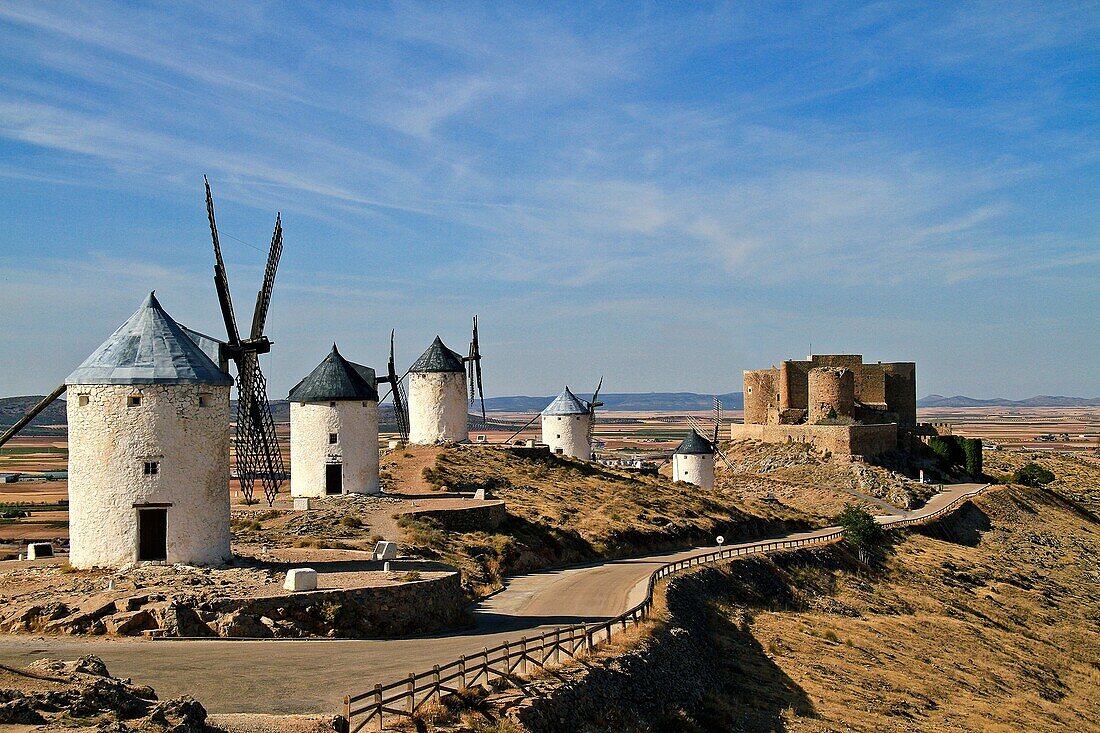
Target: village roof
{"points": [[695, 445], [336, 378], [566, 403], [149, 348], [438, 358]]}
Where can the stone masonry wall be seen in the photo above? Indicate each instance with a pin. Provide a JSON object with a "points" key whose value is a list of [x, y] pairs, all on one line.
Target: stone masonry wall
{"points": [[482, 517], [109, 444], [437, 408], [761, 388], [355, 424], [831, 393], [841, 440]]}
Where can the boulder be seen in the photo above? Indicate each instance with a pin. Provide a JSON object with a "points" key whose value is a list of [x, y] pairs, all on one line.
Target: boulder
{"points": [[300, 579], [129, 622], [180, 715], [37, 550], [242, 625], [385, 551]]}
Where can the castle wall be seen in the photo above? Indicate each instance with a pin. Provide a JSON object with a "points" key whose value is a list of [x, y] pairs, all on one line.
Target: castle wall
{"points": [[831, 393], [841, 440], [355, 424], [568, 433], [761, 390], [901, 390], [695, 469], [437, 408], [794, 384], [109, 444]]}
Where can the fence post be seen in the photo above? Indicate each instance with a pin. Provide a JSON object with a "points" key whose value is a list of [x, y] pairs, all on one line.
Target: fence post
{"points": [[507, 658], [523, 654], [411, 693], [435, 679], [462, 669], [557, 645], [485, 664], [346, 725], [378, 704]]}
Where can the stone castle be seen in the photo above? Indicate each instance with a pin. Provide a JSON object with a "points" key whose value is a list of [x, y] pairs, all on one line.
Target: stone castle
{"points": [[834, 402]]}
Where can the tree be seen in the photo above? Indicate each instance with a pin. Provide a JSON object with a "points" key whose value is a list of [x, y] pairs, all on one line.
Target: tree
{"points": [[1032, 474], [862, 532]]}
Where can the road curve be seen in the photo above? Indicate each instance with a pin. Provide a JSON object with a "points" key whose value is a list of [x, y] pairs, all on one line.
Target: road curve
{"points": [[295, 676]]}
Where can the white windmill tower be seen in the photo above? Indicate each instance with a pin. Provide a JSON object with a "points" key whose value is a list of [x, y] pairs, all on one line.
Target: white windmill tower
{"points": [[148, 416], [567, 424], [693, 460], [334, 430], [438, 397]]}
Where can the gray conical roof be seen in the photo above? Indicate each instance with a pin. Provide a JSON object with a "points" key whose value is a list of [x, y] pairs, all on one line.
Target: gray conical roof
{"points": [[566, 403], [695, 445], [150, 348], [336, 378], [438, 358]]}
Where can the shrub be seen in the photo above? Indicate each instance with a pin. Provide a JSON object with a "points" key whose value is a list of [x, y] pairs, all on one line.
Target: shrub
{"points": [[862, 532], [411, 576], [351, 522], [1032, 474], [972, 453]]}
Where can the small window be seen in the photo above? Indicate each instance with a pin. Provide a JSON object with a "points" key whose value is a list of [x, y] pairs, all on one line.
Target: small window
{"points": [[332, 404], [332, 437], [558, 437], [133, 401], [82, 400], [364, 404], [151, 468], [750, 390], [204, 400]]}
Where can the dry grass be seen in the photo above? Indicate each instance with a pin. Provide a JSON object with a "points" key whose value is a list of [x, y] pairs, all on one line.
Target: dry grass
{"points": [[563, 511], [998, 636]]}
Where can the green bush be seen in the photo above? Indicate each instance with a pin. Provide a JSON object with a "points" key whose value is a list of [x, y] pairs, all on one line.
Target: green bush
{"points": [[1032, 474], [972, 452], [862, 532]]}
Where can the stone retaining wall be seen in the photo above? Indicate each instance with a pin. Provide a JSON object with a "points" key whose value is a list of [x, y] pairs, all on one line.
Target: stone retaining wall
{"points": [[467, 519], [841, 440]]}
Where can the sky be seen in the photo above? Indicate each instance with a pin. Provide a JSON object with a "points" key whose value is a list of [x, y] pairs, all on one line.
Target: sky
{"points": [[664, 194]]}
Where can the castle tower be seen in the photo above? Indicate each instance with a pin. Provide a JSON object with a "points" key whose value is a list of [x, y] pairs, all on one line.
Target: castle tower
{"points": [[566, 423], [832, 393], [148, 417], [334, 430], [437, 397], [693, 461]]}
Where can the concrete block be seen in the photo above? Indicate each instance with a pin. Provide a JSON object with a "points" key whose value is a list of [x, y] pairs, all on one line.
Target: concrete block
{"points": [[36, 550], [302, 504], [299, 579], [385, 551], [479, 495]]}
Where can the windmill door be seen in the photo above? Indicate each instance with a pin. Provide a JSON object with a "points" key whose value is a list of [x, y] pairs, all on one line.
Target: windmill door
{"points": [[334, 478], [153, 534]]}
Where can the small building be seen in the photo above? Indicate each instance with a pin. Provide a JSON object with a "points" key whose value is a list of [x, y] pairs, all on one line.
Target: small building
{"points": [[148, 417], [437, 397], [334, 430], [693, 461], [567, 426]]}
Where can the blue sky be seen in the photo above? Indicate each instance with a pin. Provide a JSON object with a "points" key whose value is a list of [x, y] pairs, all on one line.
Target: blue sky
{"points": [[664, 193]]}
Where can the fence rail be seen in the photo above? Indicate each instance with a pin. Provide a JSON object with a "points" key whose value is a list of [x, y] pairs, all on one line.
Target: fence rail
{"points": [[406, 696]]}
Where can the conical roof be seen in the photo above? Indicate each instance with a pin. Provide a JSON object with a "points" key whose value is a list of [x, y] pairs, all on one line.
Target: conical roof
{"points": [[150, 348], [566, 403], [695, 445], [336, 378], [438, 358]]}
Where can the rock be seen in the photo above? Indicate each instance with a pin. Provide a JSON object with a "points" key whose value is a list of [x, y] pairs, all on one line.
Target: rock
{"points": [[20, 711], [129, 622], [242, 625], [180, 715], [131, 604], [97, 607], [176, 619], [36, 550], [301, 579], [385, 551]]}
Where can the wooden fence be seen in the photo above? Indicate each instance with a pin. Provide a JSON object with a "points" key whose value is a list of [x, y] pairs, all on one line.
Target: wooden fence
{"points": [[405, 696]]}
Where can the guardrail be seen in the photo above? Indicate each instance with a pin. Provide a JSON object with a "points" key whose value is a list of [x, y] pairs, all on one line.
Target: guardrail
{"points": [[406, 696]]}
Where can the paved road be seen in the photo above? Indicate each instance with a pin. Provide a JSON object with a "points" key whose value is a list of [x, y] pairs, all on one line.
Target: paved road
{"points": [[313, 676]]}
